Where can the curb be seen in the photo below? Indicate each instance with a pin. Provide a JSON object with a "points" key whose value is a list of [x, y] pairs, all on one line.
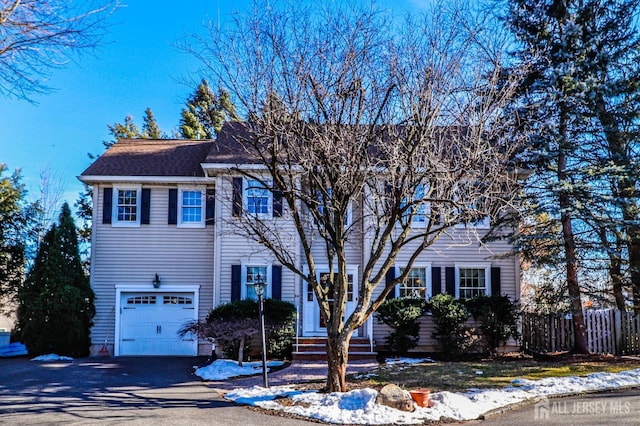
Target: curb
{"points": [[535, 400]]}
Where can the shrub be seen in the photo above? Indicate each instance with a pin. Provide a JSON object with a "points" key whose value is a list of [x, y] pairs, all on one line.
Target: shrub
{"points": [[402, 315], [449, 318], [56, 303], [232, 326], [497, 317]]}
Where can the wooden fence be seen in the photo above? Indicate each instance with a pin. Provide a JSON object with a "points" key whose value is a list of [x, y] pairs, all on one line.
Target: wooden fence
{"points": [[609, 331]]}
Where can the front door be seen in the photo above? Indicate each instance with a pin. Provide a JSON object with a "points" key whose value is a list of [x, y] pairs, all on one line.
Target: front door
{"points": [[313, 323]]}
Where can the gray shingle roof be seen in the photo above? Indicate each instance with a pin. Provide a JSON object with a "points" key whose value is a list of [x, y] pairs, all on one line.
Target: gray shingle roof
{"points": [[151, 157]]}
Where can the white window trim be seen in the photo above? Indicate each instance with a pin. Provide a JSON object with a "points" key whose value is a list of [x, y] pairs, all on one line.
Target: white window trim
{"points": [[427, 271], [202, 190], [482, 265], [243, 277], [114, 203], [245, 200]]}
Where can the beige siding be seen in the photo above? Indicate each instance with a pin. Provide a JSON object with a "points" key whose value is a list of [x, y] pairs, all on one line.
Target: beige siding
{"points": [[133, 255], [236, 248], [459, 246]]}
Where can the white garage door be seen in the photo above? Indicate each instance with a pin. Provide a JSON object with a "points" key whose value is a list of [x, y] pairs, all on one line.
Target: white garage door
{"points": [[149, 324]]}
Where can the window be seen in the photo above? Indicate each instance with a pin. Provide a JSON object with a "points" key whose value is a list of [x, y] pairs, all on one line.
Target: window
{"points": [[473, 281], [126, 206], [325, 281], [177, 300], [420, 209], [257, 198], [322, 201], [191, 207], [141, 300], [415, 285], [254, 274]]}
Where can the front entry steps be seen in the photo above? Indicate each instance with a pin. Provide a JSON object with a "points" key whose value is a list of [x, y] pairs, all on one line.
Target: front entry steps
{"points": [[315, 349]]}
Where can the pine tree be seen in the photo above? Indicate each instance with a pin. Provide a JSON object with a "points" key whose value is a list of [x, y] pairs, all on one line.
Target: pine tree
{"points": [[56, 302], [150, 128], [126, 130], [552, 110], [206, 112], [15, 222]]}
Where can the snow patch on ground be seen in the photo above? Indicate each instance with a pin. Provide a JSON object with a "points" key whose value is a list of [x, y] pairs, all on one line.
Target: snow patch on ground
{"points": [[52, 357], [222, 369], [395, 361], [359, 407]]}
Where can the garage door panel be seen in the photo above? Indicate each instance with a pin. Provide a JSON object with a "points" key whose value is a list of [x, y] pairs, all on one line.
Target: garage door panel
{"points": [[149, 324]]}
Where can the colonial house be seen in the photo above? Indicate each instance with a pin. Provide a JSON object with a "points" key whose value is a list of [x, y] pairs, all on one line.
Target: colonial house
{"points": [[165, 251]]}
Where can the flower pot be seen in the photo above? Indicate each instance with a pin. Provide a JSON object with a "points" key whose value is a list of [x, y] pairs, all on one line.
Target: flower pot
{"points": [[421, 397]]}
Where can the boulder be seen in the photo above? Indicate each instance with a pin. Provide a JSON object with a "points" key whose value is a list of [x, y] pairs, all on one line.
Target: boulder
{"points": [[395, 397]]}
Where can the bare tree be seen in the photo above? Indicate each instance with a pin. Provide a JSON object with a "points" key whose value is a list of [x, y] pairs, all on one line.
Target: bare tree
{"points": [[365, 129], [38, 35]]}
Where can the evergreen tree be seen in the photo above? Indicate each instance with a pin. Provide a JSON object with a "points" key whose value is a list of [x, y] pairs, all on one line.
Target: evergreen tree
{"points": [[150, 128], [585, 57], [126, 130], [553, 112], [206, 112], [15, 214], [56, 302]]}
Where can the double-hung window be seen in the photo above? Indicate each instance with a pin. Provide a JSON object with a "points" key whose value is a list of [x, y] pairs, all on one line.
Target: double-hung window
{"points": [[254, 274], [258, 198], [126, 206], [191, 207], [419, 208], [417, 283], [473, 281], [324, 201]]}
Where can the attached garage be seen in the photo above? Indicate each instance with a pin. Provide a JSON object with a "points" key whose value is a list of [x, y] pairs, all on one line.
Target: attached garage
{"points": [[148, 322]]}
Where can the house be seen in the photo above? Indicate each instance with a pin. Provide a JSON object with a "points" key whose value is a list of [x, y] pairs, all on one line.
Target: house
{"points": [[165, 249]]}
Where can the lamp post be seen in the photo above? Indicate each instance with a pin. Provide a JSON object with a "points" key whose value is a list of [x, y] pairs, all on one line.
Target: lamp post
{"points": [[260, 287]]}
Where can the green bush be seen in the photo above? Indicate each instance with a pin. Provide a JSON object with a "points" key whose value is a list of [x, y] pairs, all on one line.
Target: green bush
{"points": [[402, 315], [56, 303], [497, 317], [449, 317]]}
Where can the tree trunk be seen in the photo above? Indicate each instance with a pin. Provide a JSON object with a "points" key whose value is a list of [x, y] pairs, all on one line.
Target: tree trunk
{"points": [[241, 351], [337, 358], [569, 242], [627, 194]]}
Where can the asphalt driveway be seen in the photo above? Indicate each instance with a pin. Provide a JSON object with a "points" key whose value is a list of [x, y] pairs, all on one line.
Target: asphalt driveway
{"points": [[124, 390]]}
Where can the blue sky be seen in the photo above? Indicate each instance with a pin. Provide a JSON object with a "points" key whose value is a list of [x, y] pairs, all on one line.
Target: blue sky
{"points": [[137, 67]]}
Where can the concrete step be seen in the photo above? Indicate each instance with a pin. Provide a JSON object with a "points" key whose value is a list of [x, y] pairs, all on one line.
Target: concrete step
{"points": [[322, 356], [314, 349]]}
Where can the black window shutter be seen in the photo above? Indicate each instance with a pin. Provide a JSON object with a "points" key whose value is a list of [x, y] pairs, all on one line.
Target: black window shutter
{"points": [[145, 206], [107, 205], [173, 206], [277, 203], [495, 280], [436, 281], [235, 282], [388, 279], [237, 196], [276, 282], [450, 280], [210, 206]]}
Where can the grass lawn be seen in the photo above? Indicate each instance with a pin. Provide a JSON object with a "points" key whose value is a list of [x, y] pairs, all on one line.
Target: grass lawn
{"points": [[460, 376]]}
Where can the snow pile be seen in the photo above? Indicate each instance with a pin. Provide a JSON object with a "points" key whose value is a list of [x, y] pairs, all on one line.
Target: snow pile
{"points": [[222, 369], [359, 407], [395, 361], [52, 357]]}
